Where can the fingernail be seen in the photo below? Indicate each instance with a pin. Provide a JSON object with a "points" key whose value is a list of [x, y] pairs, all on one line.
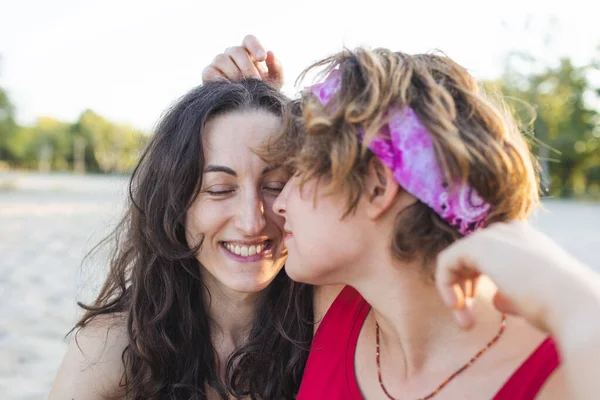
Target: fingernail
{"points": [[456, 297], [469, 303], [449, 298]]}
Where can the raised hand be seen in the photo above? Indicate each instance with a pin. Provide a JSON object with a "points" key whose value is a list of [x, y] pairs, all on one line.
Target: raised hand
{"points": [[535, 277], [250, 60]]}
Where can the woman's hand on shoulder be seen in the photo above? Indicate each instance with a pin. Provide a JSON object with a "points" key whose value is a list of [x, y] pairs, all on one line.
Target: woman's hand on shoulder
{"points": [[250, 60], [535, 277], [92, 368]]}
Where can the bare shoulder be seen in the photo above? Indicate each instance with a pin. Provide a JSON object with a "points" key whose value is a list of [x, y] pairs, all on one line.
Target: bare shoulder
{"points": [[324, 296], [92, 367], [555, 387], [524, 340]]}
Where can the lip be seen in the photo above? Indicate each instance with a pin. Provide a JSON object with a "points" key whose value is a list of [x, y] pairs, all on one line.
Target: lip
{"points": [[287, 235], [266, 253]]}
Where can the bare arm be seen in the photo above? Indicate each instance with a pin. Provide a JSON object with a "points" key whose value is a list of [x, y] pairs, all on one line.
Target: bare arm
{"points": [[577, 333], [539, 281], [92, 368], [577, 330]]}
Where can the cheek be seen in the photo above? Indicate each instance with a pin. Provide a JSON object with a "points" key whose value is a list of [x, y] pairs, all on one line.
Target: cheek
{"points": [[270, 214], [325, 247], [315, 257], [327, 262], [204, 219]]}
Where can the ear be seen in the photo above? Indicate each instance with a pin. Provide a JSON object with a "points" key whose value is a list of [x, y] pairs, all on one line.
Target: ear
{"points": [[381, 188], [383, 192]]}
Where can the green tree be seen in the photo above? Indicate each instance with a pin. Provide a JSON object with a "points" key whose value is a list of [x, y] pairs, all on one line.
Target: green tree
{"points": [[56, 136], [566, 122], [92, 142], [8, 127], [110, 147]]}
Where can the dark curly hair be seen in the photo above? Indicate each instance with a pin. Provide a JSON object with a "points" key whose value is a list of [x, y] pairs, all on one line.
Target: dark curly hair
{"points": [[154, 280]]}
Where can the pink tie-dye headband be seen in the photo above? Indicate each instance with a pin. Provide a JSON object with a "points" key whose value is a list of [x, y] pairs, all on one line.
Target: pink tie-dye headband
{"points": [[405, 146]]}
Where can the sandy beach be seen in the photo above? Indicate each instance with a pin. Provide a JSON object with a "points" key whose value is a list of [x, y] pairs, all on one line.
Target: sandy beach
{"points": [[49, 222]]}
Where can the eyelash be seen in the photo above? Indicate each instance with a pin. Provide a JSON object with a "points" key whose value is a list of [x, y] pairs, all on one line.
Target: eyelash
{"points": [[220, 193], [274, 189], [226, 192]]}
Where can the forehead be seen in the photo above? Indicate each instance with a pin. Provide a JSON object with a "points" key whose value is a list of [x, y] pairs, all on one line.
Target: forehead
{"points": [[238, 134]]}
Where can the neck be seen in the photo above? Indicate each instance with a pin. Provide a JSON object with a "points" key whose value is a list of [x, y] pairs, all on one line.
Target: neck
{"points": [[415, 326], [231, 314]]}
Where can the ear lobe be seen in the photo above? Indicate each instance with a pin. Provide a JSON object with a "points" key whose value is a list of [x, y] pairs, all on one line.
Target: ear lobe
{"points": [[381, 188]]}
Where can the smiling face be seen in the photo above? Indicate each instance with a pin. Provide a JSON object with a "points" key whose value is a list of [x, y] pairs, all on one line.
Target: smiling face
{"points": [[233, 214]]}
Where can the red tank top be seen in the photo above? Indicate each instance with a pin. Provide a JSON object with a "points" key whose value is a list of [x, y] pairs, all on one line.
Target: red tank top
{"points": [[329, 372]]}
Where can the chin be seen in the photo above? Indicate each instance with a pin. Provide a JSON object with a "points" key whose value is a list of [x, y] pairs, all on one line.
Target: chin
{"points": [[308, 273], [255, 280], [250, 286], [296, 272]]}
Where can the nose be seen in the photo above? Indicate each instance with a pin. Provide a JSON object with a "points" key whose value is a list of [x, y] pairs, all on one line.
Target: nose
{"points": [[280, 202], [250, 219]]}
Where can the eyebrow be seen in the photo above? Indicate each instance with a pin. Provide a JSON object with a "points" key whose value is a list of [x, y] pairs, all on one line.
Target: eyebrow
{"points": [[266, 170], [229, 171], [219, 168]]}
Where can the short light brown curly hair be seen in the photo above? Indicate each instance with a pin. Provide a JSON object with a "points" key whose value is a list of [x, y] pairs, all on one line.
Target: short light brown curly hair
{"points": [[475, 136]]}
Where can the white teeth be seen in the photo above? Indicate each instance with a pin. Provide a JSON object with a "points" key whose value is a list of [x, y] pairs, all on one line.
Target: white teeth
{"points": [[245, 251]]}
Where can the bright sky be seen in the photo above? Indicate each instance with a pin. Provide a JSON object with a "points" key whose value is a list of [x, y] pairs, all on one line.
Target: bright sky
{"points": [[128, 60]]}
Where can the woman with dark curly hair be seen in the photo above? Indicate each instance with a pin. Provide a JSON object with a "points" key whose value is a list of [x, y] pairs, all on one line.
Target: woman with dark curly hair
{"points": [[196, 301]]}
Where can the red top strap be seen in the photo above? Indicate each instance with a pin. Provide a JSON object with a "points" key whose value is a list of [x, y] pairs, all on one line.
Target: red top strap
{"points": [[527, 381], [329, 372]]}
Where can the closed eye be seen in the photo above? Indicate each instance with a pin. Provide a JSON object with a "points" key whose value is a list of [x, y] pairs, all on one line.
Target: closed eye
{"points": [[275, 187], [219, 190], [219, 193]]}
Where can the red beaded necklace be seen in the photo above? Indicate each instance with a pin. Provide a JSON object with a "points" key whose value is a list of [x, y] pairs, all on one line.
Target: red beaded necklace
{"points": [[454, 375]]}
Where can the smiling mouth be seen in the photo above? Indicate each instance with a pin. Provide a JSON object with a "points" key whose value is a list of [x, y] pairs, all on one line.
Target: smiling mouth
{"points": [[245, 250]]}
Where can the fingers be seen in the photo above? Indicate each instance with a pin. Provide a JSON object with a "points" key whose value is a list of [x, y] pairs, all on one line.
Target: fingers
{"points": [[455, 278], [212, 74], [253, 46], [525, 266], [465, 317], [274, 70], [234, 64], [243, 62], [250, 60], [227, 66], [456, 281]]}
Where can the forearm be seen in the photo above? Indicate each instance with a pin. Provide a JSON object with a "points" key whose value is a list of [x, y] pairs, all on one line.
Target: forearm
{"points": [[577, 332]]}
